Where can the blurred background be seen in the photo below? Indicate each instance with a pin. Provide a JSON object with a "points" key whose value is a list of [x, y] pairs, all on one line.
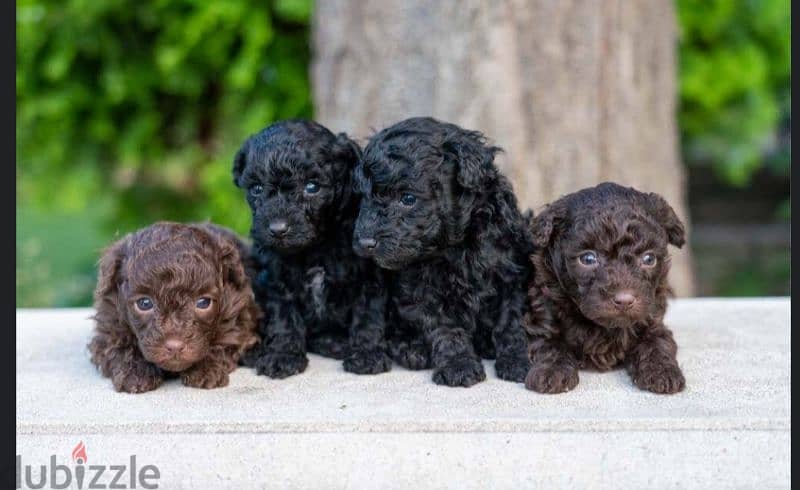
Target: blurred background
{"points": [[130, 112]]}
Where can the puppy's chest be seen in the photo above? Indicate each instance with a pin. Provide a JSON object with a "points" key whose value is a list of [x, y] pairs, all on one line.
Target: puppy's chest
{"points": [[324, 288], [599, 348], [426, 288]]}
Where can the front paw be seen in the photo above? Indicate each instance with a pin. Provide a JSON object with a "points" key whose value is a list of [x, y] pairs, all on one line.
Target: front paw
{"points": [[206, 376], [512, 369], [137, 377], [460, 372], [281, 365], [368, 362], [552, 378], [660, 378]]}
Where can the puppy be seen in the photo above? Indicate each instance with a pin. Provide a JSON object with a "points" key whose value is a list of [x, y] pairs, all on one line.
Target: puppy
{"points": [[317, 294], [172, 299], [438, 215], [602, 270]]}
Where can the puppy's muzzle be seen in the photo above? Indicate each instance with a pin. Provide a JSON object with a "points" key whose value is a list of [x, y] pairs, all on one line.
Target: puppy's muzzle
{"points": [[624, 300], [368, 243], [365, 247], [278, 227]]}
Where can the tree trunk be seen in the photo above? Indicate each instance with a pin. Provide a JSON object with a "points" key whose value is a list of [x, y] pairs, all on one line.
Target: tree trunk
{"points": [[577, 92]]}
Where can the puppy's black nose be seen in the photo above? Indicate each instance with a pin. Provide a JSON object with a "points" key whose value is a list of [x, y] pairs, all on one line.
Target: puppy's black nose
{"points": [[624, 300], [368, 243], [278, 227]]}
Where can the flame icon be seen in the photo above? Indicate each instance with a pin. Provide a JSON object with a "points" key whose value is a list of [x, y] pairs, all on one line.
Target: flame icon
{"points": [[79, 453]]}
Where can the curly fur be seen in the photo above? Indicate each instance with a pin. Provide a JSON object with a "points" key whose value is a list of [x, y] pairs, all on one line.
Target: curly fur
{"points": [[317, 294], [174, 265], [588, 329], [456, 258]]}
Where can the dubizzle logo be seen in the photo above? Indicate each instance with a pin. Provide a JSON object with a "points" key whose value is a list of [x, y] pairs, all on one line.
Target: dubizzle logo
{"points": [[87, 476], [79, 453]]}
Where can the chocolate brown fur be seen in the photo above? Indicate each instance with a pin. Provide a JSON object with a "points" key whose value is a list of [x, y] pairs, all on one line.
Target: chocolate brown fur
{"points": [[174, 265], [610, 312]]}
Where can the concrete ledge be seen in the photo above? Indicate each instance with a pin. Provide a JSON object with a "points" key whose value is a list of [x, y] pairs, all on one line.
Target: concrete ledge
{"points": [[332, 429]]}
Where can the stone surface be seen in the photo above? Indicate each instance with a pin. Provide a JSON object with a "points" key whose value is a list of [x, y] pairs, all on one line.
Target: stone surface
{"points": [[332, 429]]}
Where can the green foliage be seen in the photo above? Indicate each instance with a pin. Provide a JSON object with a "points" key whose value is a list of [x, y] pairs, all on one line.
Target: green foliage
{"points": [[131, 111], [735, 93], [768, 275], [146, 101]]}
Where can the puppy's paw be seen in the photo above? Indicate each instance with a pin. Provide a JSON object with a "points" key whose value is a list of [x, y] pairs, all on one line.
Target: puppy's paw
{"points": [[552, 378], [660, 378], [412, 355], [206, 376], [512, 369], [139, 377], [460, 372], [281, 365], [368, 362]]}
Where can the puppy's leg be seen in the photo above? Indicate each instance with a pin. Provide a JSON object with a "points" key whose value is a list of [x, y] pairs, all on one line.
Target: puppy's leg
{"points": [[484, 344], [453, 357], [410, 352], [652, 363], [555, 368], [211, 372], [329, 345], [511, 343], [283, 352], [117, 356], [367, 331]]}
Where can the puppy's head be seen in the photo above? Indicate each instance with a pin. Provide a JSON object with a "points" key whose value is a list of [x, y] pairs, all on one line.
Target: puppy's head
{"points": [[298, 179], [606, 249], [172, 285], [419, 180]]}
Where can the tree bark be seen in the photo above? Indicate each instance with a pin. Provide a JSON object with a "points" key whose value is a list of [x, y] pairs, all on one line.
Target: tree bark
{"points": [[577, 92]]}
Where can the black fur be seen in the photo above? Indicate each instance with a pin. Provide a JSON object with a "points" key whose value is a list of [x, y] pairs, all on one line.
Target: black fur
{"points": [[458, 256], [317, 295]]}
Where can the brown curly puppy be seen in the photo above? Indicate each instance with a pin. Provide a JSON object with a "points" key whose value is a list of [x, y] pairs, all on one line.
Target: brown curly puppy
{"points": [[601, 272], [173, 300]]}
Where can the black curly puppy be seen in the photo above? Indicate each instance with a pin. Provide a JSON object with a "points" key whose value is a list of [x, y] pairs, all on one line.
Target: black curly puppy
{"points": [[317, 295], [601, 271], [437, 213]]}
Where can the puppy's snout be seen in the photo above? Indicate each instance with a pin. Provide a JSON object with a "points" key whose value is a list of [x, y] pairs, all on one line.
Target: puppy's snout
{"points": [[174, 346], [278, 227], [367, 243], [623, 300]]}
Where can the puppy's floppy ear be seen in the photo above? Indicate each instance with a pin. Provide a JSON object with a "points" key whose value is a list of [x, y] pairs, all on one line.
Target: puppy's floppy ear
{"points": [[666, 217], [239, 162], [472, 156], [545, 224], [108, 273], [233, 255], [346, 149], [347, 154], [109, 306]]}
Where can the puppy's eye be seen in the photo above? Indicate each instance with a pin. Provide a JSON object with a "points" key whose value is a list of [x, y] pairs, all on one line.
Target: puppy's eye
{"points": [[408, 199], [203, 303], [311, 187], [144, 304], [589, 259], [256, 190], [649, 259]]}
